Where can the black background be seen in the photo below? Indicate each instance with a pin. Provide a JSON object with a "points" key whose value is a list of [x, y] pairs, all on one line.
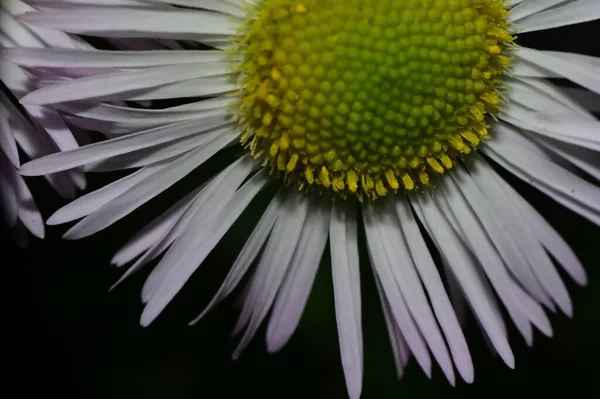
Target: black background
{"points": [[68, 336]]}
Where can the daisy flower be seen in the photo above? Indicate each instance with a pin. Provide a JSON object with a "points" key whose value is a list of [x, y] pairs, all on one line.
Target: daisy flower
{"points": [[389, 116], [35, 130]]}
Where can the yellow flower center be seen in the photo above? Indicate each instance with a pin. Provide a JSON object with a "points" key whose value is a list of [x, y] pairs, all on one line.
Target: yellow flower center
{"points": [[369, 97]]}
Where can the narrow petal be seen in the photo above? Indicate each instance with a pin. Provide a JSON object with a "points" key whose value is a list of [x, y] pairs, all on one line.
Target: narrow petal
{"points": [[126, 22], [435, 288], [273, 265], [208, 202], [7, 140], [570, 13], [297, 285], [249, 252], [461, 264], [101, 86], [346, 284], [145, 190], [150, 234], [191, 249], [73, 58], [93, 201], [122, 145], [391, 291]]}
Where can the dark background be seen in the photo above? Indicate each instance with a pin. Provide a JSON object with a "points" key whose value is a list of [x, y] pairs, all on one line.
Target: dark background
{"points": [[68, 336]]}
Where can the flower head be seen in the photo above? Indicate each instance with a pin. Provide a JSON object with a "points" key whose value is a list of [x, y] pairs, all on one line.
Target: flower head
{"points": [[367, 114], [367, 99]]}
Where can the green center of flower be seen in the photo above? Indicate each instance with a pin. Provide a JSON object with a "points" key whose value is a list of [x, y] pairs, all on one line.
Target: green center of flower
{"points": [[368, 97]]}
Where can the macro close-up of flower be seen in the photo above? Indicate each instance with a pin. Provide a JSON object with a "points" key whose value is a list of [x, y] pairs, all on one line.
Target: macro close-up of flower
{"points": [[388, 125]]}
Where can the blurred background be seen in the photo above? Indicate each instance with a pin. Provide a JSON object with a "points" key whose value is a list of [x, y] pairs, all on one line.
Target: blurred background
{"points": [[68, 336]]}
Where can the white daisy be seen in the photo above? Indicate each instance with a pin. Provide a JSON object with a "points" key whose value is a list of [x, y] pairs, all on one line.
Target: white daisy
{"points": [[360, 106], [36, 130]]}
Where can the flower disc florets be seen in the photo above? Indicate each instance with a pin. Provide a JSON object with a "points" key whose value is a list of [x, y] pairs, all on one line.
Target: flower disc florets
{"points": [[368, 97]]}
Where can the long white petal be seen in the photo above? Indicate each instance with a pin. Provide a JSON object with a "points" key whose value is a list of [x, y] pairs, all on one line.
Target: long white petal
{"points": [[571, 13], [462, 268], [275, 262], [392, 294], [28, 212], [145, 190], [551, 240], [125, 22], [101, 86], [122, 145], [212, 5], [150, 234], [497, 225], [91, 202], [435, 288], [249, 252], [72, 58], [9, 200], [159, 153], [488, 257], [404, 273], [296, 288], [7, 140], [565, 187], [346, 284], [581, 69], [399, 346], [209, 200], [191, 249]]}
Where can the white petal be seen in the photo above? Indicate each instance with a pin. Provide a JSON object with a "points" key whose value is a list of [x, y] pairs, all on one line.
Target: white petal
{"points": [[461, 264], [183, 24], [93, 201], [584, 98], [297, 285], [114, 113], [570, 129], [557, 94], [565, 187], [72, 58], [487, 255], [581, 69], [553, 242], [145, 190], [122, 145], [159, 153], [248, 253], [7, 141], [191, 249], [435, 288], [203, 87], [528, 8], [392, 294], [500, 231], [50, 122], [505, 204], [399, 346], [208, 199], [29, 214], [17, 32], [273, 265], [346, 284], [403, 271], [213, 5], [101, 86], [150, 234], [571, 13], [9, 201]]}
